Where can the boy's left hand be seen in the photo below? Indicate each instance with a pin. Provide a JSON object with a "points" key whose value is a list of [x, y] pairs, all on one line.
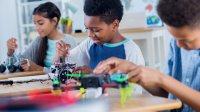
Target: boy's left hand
{"points": [[30, 66], [83, 70]]}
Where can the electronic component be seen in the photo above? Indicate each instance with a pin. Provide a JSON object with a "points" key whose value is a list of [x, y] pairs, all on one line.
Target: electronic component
{"points": [[12, 63]]}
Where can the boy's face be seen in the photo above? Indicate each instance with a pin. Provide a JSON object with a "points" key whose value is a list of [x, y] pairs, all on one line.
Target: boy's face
{"points": [[99, 31], [186, 37]]}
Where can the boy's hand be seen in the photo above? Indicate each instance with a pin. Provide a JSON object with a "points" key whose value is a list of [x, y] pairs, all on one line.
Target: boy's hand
{"points": [[147, 77], [144, 76], [28, 65], [113, 65], [11, 45], [83, 70], [62, 50]]}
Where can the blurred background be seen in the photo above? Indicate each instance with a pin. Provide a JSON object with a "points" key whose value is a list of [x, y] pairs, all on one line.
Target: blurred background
{"points": [[140, 22]]}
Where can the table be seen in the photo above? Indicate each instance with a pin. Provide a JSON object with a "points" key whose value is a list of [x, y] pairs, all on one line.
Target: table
{"points": [[135, 103], [7, 75], [143, 103]]}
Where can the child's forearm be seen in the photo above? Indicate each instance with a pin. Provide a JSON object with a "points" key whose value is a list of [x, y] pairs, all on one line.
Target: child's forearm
{"points": [[157, 91], [187, 95]]}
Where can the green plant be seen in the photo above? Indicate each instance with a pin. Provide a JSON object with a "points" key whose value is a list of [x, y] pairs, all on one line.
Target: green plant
{"points": [[64, 21]]}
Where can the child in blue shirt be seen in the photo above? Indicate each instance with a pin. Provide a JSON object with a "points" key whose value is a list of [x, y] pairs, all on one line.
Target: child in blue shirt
{"points": [[183, 65]]}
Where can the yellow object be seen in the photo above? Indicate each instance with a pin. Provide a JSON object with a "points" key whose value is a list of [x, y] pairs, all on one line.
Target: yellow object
{"points": [[82, 92], [126, 92], [56, 92], [69, 23]]}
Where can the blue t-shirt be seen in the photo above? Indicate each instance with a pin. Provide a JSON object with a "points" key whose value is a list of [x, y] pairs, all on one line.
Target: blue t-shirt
{"points": [[184, 66], [99, 53]]}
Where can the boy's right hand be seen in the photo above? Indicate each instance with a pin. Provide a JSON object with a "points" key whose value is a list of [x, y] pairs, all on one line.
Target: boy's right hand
{"points": [[11, 45], [147, 77], [62, 50]]}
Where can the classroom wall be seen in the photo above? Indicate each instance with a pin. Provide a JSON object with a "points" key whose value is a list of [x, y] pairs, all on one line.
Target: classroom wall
{"points": [[78, 17], [8, 24]]}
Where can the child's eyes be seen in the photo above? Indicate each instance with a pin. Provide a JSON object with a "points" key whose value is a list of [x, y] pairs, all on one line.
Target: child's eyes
{"points": [[40, 23], [93, 30], [97, 30]]}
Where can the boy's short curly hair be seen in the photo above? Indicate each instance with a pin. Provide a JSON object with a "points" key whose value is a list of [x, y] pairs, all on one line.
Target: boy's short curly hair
{"points": [[179, 13], [107, 10]]}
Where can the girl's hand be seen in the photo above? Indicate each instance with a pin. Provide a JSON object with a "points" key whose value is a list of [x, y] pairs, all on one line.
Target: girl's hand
{"points": [[11, 45], [28, 65]]}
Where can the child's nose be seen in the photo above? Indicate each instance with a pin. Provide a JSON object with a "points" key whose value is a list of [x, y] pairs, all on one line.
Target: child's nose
{"points": [[91, 34]]}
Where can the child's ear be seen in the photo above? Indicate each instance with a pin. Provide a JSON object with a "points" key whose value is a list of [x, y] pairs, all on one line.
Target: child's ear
{"points": [[55, 20], [115, 25]]}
